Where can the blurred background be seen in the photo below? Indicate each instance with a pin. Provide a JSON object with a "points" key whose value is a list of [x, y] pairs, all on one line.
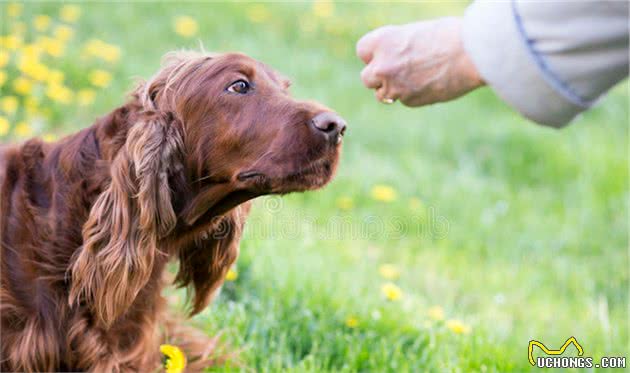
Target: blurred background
{"points": [[452, 235]]}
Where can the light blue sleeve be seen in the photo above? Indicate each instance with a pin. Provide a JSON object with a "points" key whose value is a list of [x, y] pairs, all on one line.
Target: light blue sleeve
{"points": [[549, 60]]}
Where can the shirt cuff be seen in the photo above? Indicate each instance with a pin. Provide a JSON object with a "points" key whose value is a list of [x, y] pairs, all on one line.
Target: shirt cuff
{"points": [[495, 41]]}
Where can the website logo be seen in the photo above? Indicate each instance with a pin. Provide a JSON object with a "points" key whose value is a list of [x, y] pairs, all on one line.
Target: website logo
{"points": [[555, 360]]}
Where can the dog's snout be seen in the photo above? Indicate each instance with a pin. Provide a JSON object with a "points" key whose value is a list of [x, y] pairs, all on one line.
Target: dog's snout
{"points": [[331, 124]]}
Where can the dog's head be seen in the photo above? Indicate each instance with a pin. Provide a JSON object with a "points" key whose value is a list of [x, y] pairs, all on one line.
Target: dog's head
{"points": [[242, 130], [243, 134], [211, 133]]}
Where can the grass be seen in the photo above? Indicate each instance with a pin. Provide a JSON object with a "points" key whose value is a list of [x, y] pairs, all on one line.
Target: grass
{"points": [[517, 230]]}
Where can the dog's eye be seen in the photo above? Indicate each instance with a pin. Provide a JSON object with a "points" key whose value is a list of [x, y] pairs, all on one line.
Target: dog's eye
{"points": [[239, 86]]}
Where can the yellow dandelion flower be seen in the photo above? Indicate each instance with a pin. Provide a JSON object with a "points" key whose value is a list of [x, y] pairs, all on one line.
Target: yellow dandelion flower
{"points": [[100, 78], [32, 51], [9, 104], [174, 359], [323, 8], [3, 78], [55, 76], [54, 47], [102, 50], [436, 313], [231, 275], [185, 26], [63, 32], [23, 130], [85, 97], [22, 85], [69, 13], [59, 93], [10, 42], [41, 22], [352, 322], [4, 126], [258, 13], [110, 53], [383, 193], [31, 105], [391, 291], [33, 68], [93, 47], [389, 271], [14, 9], [4, 58], [345, 203], [458, 326], [49, 137]]}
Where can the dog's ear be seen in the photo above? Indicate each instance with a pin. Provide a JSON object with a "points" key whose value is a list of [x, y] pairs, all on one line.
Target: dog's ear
{"points": [[204, 262], [120, 237]]}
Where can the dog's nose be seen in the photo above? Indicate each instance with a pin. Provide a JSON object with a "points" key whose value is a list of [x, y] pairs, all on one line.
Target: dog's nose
{"points": [[331, 124]]}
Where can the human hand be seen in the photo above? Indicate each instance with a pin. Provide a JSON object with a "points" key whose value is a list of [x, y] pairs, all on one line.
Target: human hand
{"points": [[418, 63]]}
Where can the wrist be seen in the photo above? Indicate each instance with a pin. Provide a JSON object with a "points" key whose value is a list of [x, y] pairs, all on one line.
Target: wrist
{"points": [[470, 71], [467, 69]]}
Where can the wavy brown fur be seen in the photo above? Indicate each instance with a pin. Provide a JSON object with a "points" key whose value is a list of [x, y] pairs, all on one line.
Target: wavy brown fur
{"points": [[88, 224]]}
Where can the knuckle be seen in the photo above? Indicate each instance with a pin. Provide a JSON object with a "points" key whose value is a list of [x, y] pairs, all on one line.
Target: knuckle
{"points": [[368, 78], [384, 70], [365, 75], [362, 47]]}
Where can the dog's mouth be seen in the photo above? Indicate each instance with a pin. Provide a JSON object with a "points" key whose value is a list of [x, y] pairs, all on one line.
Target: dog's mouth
{"points": [[277, 178], [248, 175], [313, 175]]}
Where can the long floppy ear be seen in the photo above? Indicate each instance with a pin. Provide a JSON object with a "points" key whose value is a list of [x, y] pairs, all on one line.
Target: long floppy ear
{"points": [[204, 262], [120, 237]]}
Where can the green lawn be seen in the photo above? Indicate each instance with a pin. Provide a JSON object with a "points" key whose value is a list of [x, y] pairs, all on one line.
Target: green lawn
{"points": [[518, 231]]}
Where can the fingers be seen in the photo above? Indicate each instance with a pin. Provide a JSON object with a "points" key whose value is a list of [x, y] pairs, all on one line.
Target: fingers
{"points": [[365, 50], [385, 93], [374, 76], [378, 69], [379, 78], [370, 43], [369, 77], [366, 45]]}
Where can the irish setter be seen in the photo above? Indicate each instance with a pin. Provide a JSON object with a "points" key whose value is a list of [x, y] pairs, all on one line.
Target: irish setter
{"points": [[88, 224]]}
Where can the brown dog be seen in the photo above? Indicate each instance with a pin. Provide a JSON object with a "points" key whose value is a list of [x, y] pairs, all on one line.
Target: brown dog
{"points": [[88, 224]]}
